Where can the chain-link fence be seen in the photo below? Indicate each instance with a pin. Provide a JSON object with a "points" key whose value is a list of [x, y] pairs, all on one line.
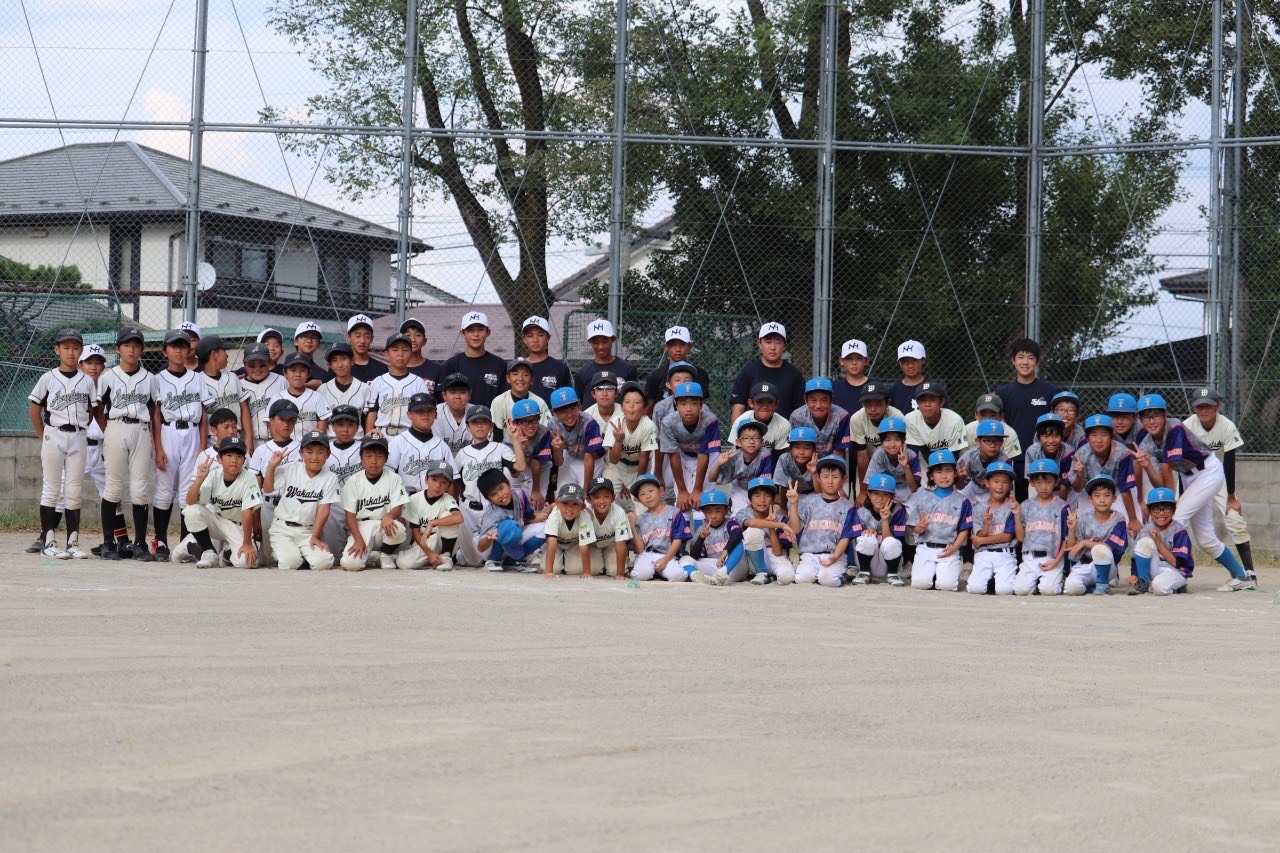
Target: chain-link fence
{"points": [[897, 150]]}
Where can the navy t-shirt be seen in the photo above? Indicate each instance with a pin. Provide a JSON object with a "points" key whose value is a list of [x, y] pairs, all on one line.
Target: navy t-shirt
{"points": [[368, 372], [548, 375], [428, 372], [903, 397], [1023, 404], [655, 387], [787, 377], [488, 375], [620, 367], [846, 396]]}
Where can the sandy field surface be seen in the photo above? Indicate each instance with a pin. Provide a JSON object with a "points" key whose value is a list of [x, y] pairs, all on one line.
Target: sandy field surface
{"points": [[160, 707]]}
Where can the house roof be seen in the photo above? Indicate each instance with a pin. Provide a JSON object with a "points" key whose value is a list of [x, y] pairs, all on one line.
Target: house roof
{"points": [[567, 290], [1189, 285], [116, 177], [421, 292]]}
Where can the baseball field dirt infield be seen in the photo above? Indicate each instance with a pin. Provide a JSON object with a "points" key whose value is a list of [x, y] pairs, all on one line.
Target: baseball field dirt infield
{"points": [[161, 707]]}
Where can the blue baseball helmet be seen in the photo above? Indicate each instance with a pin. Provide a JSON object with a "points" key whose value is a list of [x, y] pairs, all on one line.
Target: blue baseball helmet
{"points": [[892, 424], [1071, 396], [1050, 420], [1098, 422], [990, 428], [1097, 480], [1161, 496], [941, 457], [1152, 402], [1000, 467], [818, 383], [642, 479], [713, 497], [563, 397], [688, 389], [1122, 404], [1044, 466], [808, 434], [881, 483], [832, 461], [762, 483], [525, 409]]}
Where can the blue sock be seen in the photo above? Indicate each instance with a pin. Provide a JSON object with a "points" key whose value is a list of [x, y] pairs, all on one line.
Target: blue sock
{"points": [[496, 553], [1103, 573], [756, 559], [1143, 567], [1232, 564], [530, 545], [735, 557]]}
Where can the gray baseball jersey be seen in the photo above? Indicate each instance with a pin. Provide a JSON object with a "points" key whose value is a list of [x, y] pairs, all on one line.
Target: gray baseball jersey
{"points": [[1002, 521], [972, 461], [946, 516], [1177, 540], [1110, 530], [821, 521], [881, 464], [520, 512], [833, 436], [1044, 525], [718, 538], [658, 530], [787, 472], [738, 471], [704, 437]]}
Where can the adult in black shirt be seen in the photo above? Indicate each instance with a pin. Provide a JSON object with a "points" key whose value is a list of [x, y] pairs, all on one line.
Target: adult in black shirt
{"points": [[601, 337], [902, 394], [548, 373], [486, 372], [677, 344], [1027, 397], [770, 367]]}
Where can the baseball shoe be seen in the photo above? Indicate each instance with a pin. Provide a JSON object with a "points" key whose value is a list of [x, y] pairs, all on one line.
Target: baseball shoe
{"points": [[1140, 587], [53, 552], [96, 550], [161, 554], [529, 568], [36, 547], [108, 552], [894, 580], [125, 549], [142, 553], [493, 565], [208, 560], [387, 561], [1101, 589], [1238, 584], [446, 564], [188, 550], [720, 578], [760, 578], [862, 578], [699, 576], [73, 549]]}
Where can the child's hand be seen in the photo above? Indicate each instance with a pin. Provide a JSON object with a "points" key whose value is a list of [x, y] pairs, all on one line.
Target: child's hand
{"points": [[358, 548], [729, 454], [388, 525], [541, 514], [684, 501], [1134, 526], [793, 492], [661, 563], [537, 501], [946, 552], [962, 470], [319, 545], [1142, 459], [886, 511], [1045, 565], [586, 573], [619, 432], [1071, 519], [249, 553], [827, 561], [202, 470], [509, 426], [1016, 509], [812, 467], [902, 458], [703, 530], [922, 526], [1131, 580], [557, 443], [484, 543], [986, 517], [276, 459], [1077, 466]]}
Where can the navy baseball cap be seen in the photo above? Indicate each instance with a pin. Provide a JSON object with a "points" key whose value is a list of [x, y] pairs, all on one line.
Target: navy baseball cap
{"points": [[340, 348], [764, 391], [174, 336], [207, 345], [398, 338], [295, 358], [874, 391], [373, 441], [231, 444], [344, 413], [256, 352], [421, 401], [283, 409], [603, 379], [129, 333], [570, 492], [599, 483], [439, 468], [517, 363], [456, 380], [315, 437], [927, 389], [480, 413]]}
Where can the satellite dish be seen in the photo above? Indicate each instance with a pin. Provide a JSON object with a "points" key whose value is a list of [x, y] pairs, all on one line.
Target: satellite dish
{"points": [[206, 276]]}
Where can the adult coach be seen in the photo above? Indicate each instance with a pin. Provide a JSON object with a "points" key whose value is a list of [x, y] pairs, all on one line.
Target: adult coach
{"points": [[1026, 398], [771, 369]]}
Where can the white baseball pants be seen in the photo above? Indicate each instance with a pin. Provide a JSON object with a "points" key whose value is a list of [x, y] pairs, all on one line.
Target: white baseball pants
{"points": [[181, 446], [810, 570], [880, 551], [1195, 505], [755, 539], [1165, 579], [292, 545], [230, 533], [63, 456], [710, 565], [413, 557], [1084, 575], [568, 561], [1031, 577], [371, 531], [1233, 520], [931, 570], [127, 457], [604, 561], [1002, 565], [677, 569], [468, 554]]}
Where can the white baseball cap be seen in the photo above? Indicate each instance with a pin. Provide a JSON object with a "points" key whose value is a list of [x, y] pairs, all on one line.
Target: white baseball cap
{"points": [[91, 350], [189, 327], [772, 329], [360, 320], [535, 320], [600, 328], [268, 332], [307, 326], [853, 347], [910, 349], [475, 318], [677, 333]]}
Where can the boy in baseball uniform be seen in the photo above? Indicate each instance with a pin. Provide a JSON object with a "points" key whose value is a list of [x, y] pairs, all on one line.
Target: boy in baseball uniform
{"points": [[895, 459], [1162, 558], [689, 436], [817, 519], [282, 420], [716, 548], [519, 387], [412, 449], [604, 396], [829, 421], [373, 501], [661, 533], [419, 365], [434, 520], [259, 386], [853, 364], [864, 427], [451, 414], [344, 389], [631, 440], [606, 534], [220, 504], [548, 373], [601, 337], [902, 394], [193, 333], [995, 523], [945, 521], [127, 403], [343, 461], [1220, 435], [1101, 454], [971, 469], [766, 534], [178, 430], [798, 464], [93, 361], [222, 389], [511, 531], [876, 531], [991, 407], [483, 369], [1096, 540], [306, 492], [763, 409], [738, 466], [570, 432], [932, 426], [1066, 405], [313, 409], [1123, 410], [563, 529], [483, 454], [535, 439], [62, 402], [390, 392], [1049, 445], [1042, 529]]}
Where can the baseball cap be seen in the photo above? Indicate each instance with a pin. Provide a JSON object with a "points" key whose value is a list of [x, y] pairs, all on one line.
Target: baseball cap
{"points": [[989, 403], [270, 333], [1098, 422], [438, 468], [603, 379], [1070, 396], [642, 479], [599, 329], [1099, 479], [632, 385], [453, 380], [129, 333], [990, 428], [344, 413], [772, 329], [536, 321], [307, 327], [373, 441], [1044, 466], [713, 497], [1161, 495], [1122, 403], [929, 389], [764, 391], [231, 444], [474, 318], [753, 424], [1206, 396], [413, 323], [573, 492], [283, 409], [1050, 420], [910, 349], [941, 457], [831, 461], [853, 346], [562, 397], [360, 320], [688, 389], [520, 361], [762, 483], [189, 327], [681, 365], [206, 346], [874, 391], [1000, 467], [892, 424], [340, 348], [421, 401], [525, 409], [397, 338], [817, 383], [480, 413], [598, 483], [69, 335], [315, 437], [881, 483], [677, 333], [93, 350], [256, 352], [176, 336], [807, 434], [1152, 401], [295, 358]]}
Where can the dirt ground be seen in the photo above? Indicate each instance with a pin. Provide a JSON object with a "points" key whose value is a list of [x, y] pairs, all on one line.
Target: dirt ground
{"points": [[154, 707]]}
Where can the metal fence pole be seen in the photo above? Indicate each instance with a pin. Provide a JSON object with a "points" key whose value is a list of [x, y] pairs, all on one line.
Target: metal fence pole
{"points": [[823, 249], [191, 277], [617, 243], [1035, 169], [1234, 392], [1215, 201], [406, 153]]}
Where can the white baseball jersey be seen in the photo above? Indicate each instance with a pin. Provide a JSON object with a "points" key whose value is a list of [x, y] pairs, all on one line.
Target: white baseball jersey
{"points": [[605, 424], [229, 500], [301, 494], [614, 528], [369, 499], [409, 454], [473, 460], [312, 409], [1011, 447], [776, 433], [356, 394], [222, 392], [180, 396], [421, 509], [66, 399], [1223, 437], [126, 395], [263, 452], [948, 432], [865, 433], [452, 431], [259, 396], [634, 442], [568, 534], [500, 408], [390, 396], [344, 461]]}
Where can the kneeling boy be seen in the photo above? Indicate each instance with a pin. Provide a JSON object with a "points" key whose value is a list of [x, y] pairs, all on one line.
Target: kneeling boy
{"points": [[222, 498], [306, 491]]}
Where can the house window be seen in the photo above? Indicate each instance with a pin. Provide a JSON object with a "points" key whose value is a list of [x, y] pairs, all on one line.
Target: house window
{"points": [[237, 260], [344, 276]]}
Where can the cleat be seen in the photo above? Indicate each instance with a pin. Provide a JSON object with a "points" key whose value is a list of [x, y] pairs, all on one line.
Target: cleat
{"points": [[387, 561], [208, 560], [1101, 589], [862, 578], [125, 550], [895, 580], [1238, 584], [493, 565], [446, 564], [108, 552], [698, 576], [760, 578], [142, 554], [1140, 587], [36, 547], [53, 552], [96, 550], [161, 554], [529, 569], [73, 550], [720, 578]]}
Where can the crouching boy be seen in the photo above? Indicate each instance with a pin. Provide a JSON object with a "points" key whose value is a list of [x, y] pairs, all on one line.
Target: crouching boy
{"points": [[818, 520], [877, 532], [306, 491], [995, 529], [946, 519], [435, 521], [606, 535], [716, 548], [373, 500], [1042, 529], [661, 532], [1098, 540], [1162, 557], [563, 529], [510, 531], [766, 534], [222, 499]]}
